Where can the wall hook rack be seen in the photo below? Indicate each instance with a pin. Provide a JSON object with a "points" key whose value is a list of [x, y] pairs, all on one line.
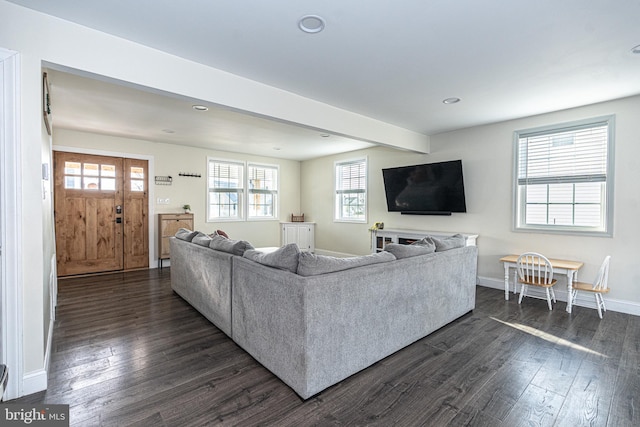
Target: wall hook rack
{"points": [[191, 175]]}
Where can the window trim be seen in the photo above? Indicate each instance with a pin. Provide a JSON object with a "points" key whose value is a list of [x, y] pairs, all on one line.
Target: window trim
{"points": [[518, 208], [336, 217], [275, 193]]}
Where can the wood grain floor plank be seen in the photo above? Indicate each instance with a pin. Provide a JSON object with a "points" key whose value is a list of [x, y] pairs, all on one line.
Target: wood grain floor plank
{"points": [[535, 407], [589, 399], [625, 405], [630, 359]]}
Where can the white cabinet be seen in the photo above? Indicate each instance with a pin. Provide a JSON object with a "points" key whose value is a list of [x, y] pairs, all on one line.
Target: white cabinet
{"points": [[301, 233], [381, 237]]}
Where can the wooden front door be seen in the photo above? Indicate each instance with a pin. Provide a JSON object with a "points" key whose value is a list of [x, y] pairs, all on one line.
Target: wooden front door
{"points": [[100, 213]]}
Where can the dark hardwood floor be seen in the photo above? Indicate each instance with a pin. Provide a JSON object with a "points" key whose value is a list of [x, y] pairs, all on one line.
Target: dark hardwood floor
{"points": [[128, 351]]}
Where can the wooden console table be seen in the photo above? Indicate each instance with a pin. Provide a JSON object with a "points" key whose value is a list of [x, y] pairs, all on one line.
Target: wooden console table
{"points": [[561, 266]]}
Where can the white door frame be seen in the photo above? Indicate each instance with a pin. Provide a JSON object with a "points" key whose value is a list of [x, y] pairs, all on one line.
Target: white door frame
{"points": [[10, 224]]}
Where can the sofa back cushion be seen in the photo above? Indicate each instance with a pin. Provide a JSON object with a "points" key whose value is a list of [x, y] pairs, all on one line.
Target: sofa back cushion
{"points": [[447, 243], [235, 247], [406, 251], [284, 258], [311, 264], [201, 239], [186, 235]]}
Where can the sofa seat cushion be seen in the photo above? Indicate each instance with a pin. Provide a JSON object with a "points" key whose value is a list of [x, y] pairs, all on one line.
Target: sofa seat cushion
{"points": [[284, 258], [235, 247], [186, 235], [447, 243], [312, 265]]}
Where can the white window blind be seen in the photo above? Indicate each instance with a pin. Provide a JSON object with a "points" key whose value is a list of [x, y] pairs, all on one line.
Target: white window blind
{"points": [[263, 191], [351, 190], [225, 190], [563, 177]]}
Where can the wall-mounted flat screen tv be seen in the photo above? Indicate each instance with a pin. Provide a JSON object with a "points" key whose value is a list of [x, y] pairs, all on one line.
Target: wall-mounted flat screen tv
{"points": [[428, 189]]}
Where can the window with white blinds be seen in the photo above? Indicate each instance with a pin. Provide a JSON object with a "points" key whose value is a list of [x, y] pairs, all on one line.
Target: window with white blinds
{"points": [[564, 177], [227, 198], [225, 181], [263, 191], [351, 190]]}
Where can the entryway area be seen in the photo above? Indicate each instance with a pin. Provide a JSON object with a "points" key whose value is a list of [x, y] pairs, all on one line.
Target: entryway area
{"points": [[101, 213]]}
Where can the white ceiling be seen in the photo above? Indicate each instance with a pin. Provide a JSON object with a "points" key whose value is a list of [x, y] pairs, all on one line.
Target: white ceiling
{"points": [[392, 61]]}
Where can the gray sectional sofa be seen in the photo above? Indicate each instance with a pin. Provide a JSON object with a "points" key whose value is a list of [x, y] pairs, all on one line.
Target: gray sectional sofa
{"points": [[337, 317]]}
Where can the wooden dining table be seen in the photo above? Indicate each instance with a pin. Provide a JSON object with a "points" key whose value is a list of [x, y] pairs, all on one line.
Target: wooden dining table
{"points": [[560, 266]]}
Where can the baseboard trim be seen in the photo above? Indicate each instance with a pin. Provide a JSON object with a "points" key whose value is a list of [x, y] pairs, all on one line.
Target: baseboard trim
{"points": [[583, 300], [33, 382], [47, 353]]}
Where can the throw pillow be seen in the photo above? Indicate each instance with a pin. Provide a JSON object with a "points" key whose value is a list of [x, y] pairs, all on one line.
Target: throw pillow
{"points": [[201, 239], [447, 243], [311, 265], [407, 251], [235, 247], [186, 235], [219, 233], [285, 258]]}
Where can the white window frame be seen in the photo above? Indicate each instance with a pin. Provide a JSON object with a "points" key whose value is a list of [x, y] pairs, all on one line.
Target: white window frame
{"points": [[339, 190], [273, 192], [240, 191], [605, 229]]}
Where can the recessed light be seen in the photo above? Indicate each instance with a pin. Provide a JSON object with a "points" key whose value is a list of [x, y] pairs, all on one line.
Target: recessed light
{"points": [[325, 135], [451, 101], [311, 24], [200, 108], [277, 148], [636, 49], [168, 131]]}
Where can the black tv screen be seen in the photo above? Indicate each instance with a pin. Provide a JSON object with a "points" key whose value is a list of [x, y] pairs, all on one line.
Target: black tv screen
{"points": [[428, 189]]}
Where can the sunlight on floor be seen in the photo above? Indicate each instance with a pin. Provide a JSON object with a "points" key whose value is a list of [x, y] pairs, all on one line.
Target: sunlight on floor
{"points": [[548, 337]]}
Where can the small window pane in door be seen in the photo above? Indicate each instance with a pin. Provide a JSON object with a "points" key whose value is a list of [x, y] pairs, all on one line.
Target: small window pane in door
{"points": [[72, 168], [91, 184], [137, 172], [108, 170], [73, 182], [137, 185], [91, 169], [108, 184]]}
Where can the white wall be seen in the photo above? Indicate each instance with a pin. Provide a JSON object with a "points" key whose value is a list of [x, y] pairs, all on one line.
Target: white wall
{"points": [[169, 159], [487, 156]]}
